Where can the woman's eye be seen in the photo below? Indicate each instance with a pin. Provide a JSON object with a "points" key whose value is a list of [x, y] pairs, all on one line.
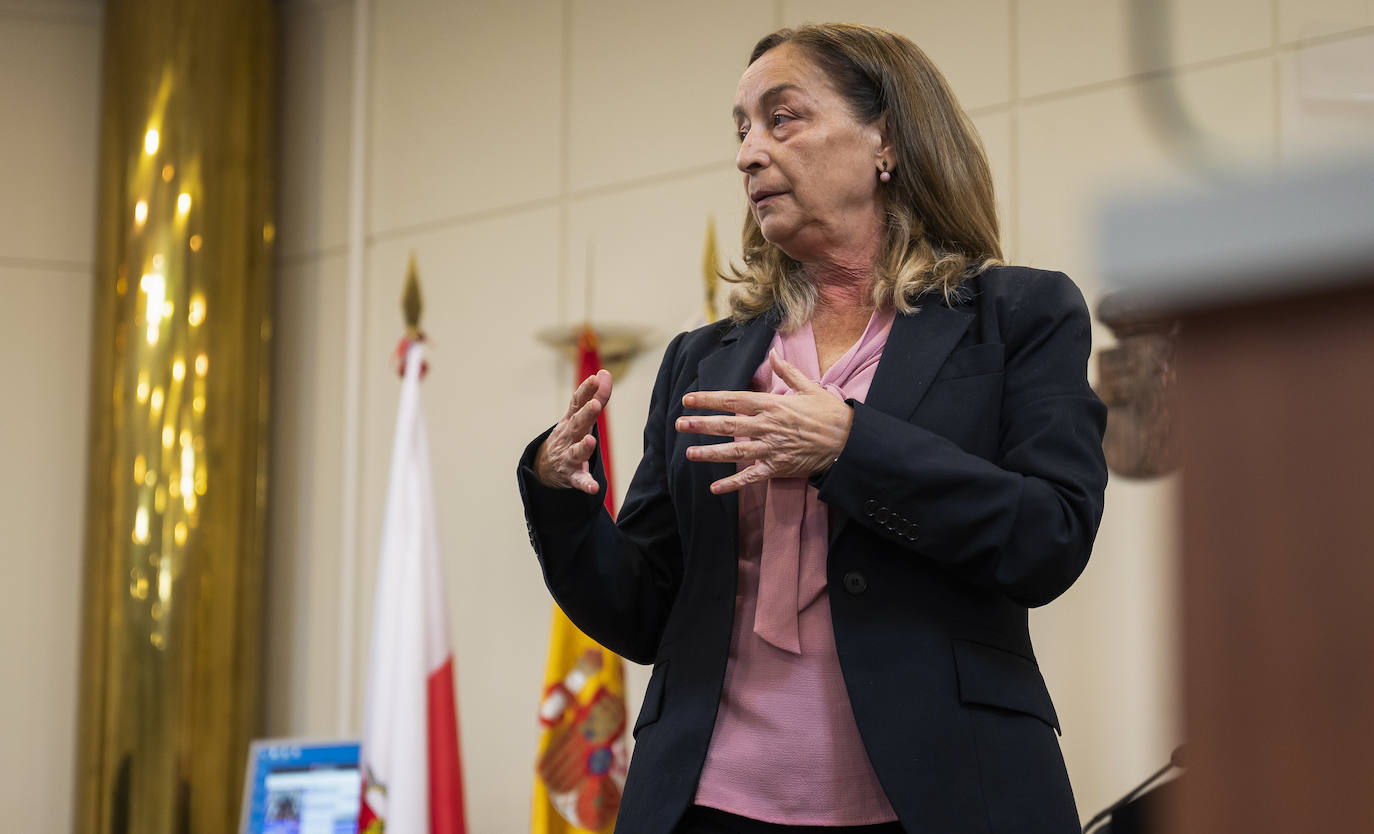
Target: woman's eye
{"points": [[780, 119], [741, 132]]}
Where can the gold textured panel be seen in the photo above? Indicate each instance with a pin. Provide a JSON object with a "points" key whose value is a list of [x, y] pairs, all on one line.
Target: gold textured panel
{"points": [[175, 499]]}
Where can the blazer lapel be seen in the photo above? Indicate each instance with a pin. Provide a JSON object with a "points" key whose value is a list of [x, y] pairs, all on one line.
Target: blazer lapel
{"points": [[917, 346]]}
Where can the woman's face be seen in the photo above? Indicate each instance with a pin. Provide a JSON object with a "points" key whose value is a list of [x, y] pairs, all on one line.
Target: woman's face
{"points": [[810, 167]]}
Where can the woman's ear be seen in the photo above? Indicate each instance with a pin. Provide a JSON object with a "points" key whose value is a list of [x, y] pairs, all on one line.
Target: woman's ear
{"points": [[884, 142]]}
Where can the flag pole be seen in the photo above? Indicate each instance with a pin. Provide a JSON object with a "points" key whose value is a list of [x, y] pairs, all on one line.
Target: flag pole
{"points": [[412, 304], [710, 269], [617, 344], [411, 301]]}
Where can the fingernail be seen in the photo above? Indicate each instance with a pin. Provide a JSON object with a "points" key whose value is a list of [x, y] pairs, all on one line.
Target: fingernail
{"points": [[689, 400], [683, 424]]}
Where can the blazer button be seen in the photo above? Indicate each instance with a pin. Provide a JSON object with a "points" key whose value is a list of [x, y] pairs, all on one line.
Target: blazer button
{"points": [[855, 583], [869, 507], [882, 515]]}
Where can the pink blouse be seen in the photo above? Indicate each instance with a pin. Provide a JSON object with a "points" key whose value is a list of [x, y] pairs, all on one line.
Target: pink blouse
{"points": [[785, 747]]}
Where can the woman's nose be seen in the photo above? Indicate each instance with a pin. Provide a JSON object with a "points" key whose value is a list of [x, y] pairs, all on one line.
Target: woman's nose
{"points": [[752, 153]]}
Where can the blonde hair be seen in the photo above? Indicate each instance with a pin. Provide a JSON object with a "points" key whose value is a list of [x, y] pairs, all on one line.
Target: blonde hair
{"points": [[941, 212]]}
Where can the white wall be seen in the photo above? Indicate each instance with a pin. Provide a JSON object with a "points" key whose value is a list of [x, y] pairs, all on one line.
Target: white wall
{"points": [[49, 93], [500, 139]]}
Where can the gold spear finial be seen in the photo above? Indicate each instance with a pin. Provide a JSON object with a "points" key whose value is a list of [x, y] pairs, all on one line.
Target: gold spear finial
{"points": [[411, 303], [710, 268]]}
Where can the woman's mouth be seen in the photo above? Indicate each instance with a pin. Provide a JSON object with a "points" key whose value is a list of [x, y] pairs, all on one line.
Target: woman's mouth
{"points": [[763, 198]]}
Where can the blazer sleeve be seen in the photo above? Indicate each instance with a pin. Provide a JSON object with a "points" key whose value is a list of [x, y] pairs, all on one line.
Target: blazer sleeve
{"points": [[1024, 523], [616, 580]]}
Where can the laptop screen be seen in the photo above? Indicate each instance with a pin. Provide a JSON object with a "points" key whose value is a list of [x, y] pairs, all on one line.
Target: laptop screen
{"points": [[295, 786]]}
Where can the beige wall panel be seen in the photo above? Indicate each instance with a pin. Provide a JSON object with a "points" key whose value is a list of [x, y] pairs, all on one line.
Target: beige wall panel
{"points": [[968, 39], [648, 245], [1070, 43], [301, 597], [1108, 648], [316, 90], [653, 82], [1076, 151], [995, 129], [46, 343], [1327, 100], [49, 95], [464, 108], [1300, 19], [488, 287]]}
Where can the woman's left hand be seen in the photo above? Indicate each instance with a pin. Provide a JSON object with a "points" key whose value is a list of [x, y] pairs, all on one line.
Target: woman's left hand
{"points": [[787, 436]]}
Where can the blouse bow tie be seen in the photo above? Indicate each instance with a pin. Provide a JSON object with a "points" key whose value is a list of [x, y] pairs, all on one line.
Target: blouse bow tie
{"points": [[796, 528]]}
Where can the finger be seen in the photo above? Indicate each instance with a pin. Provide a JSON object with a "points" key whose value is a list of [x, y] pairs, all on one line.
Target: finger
{"points": [[726, 452], [583, 480], [580, 424], [580, 395], [722, 425], [719, 426], [603, 387], [789, 373], [740, 479], [581, 451], [740, 402]]}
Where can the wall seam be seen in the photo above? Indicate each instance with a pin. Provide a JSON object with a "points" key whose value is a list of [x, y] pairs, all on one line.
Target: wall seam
{"points": [[46, 265], [562, 201], [564, 172], [1275, 72], [1196, 66], [353, 369], [1327, 38], [1014, 123], [1144, 77]]}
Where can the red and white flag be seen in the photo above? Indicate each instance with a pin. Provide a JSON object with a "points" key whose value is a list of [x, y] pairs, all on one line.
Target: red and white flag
{"points": [[412, 776]]}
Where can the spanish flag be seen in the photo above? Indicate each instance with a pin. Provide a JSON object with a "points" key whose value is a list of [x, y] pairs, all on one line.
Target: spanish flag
{"points": [[582, 759]]}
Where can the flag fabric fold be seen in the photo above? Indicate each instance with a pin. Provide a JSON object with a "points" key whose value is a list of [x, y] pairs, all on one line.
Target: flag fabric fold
{"points": [[411, 768], [582, 757]]}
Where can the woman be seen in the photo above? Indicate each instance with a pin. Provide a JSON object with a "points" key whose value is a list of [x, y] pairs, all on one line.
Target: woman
{"points": [[851, 491]]}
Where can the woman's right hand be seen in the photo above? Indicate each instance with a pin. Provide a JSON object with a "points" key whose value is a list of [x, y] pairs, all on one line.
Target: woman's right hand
{"points": [[563, 459]]}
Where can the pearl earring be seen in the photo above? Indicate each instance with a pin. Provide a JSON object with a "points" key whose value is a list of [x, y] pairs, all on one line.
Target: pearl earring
{"points": [[885, 176]]}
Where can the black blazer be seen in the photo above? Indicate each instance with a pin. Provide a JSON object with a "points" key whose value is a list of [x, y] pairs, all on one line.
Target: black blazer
{"points": [[970, 489]]}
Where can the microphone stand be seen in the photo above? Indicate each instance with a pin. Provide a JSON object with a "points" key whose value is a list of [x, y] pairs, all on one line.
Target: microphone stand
{"points": [[1176, 760]]}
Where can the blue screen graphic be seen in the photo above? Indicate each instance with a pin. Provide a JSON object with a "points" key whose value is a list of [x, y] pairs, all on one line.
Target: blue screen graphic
{"points": [[302, 788]]}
